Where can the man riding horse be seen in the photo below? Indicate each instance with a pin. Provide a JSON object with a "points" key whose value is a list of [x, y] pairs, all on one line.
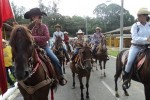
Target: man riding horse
{"points": [[66, 40], [78, 43], [41, 35], [61, 34], [98, 38]]}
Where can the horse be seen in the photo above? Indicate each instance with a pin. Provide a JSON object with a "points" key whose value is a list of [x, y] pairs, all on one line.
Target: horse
{"points": [[83, 68], [140, 71], [59, 52], [101, 55], [33, 69]]}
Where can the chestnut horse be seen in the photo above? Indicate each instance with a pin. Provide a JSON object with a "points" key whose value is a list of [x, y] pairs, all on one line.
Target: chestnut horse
{"points": [[101, 55], [82, 68], [142, 75], [34, 72], [59, 52]]}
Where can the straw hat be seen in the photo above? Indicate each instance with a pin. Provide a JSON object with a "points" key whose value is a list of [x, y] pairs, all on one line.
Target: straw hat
{"points": [[65, 32], [98, 28], [80, 32], [57, 25], [34, 12], [143, 11]]}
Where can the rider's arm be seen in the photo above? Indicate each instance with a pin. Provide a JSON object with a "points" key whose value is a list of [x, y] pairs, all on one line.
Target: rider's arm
{"points": [[135, 35]]}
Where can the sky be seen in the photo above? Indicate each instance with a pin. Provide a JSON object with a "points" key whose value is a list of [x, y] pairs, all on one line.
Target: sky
{"points": [[85, 7]]}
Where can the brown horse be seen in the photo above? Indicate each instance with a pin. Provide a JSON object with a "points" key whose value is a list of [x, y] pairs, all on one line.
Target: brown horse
{"points": [[33, 76], [59, 52], [142, 75], [101, 55], [82, 68]]}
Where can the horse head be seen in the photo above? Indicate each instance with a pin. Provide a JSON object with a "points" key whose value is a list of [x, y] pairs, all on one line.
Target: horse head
{"points": [[85, 56], [21, 42]]}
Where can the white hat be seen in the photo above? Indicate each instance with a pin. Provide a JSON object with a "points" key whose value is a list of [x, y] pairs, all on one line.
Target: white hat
{"points": [[143, 11], [3, 40], [80, 32], [98, 28], [65, 32]]}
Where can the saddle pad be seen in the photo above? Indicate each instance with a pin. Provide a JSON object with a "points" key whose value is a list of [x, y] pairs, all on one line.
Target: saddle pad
{"points": [[140, 62]]}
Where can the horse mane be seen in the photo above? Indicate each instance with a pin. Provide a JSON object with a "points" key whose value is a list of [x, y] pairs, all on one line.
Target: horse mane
{"points": [[20, 34]]}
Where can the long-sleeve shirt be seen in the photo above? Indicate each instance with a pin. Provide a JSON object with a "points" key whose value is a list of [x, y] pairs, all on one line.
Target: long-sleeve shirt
{"points": [[41, 34], [97, 37], [140, 33], [61, 34], [66, 38]]}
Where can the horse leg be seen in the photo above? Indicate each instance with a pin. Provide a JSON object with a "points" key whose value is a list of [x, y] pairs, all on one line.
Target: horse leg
{"points": [[63, 63], [73, 75], [87, 86], [146, 90], [100, 64], [81, 87], [96, 64], [104, 67]]}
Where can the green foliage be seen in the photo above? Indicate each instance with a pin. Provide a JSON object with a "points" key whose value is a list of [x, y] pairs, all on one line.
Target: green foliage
{"points": [[107, 17]]}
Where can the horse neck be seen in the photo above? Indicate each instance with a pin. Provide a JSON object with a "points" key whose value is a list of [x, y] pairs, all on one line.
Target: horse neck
{"points": [[39, 75]]}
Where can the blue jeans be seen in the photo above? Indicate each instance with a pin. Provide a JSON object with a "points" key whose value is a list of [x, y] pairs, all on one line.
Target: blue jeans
{"points": [[53, 58], [134, 50]]}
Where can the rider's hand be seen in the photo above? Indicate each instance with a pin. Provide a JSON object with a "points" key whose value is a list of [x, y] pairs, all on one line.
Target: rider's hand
{"points": [[148, 39]]}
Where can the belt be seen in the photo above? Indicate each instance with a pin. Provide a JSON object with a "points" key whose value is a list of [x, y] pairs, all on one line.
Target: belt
{"points": [[140, 45]]}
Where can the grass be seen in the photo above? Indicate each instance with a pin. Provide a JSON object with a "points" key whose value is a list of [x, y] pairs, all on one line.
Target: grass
{"points": [[113, 52]]}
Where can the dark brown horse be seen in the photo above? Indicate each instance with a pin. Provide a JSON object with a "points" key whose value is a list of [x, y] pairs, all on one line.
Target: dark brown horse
{"points": [[59, 52], [33, 76], [82, 68], [142, 75], [101, 55]]}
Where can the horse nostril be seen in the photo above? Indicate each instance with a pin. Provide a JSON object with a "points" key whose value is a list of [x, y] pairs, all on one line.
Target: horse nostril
{"points": [[26, 73]]}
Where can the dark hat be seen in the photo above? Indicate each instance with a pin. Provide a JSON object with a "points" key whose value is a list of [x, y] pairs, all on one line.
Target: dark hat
{"points": [[34, 12], [57, 25]]}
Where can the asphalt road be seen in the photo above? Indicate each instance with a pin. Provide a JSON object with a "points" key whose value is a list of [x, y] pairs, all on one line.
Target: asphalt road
{"points": [[100, 88]]}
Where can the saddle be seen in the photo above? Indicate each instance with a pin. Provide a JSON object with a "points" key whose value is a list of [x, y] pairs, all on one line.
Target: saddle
{"points": [[139, 60], [51, 71]]}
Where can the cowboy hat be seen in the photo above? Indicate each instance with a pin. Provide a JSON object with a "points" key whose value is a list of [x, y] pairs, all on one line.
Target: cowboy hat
{"points": [[65, 32], [4, 41], [57, 25], [143, 11], [98, 28], [80, 32], [34, 12]]}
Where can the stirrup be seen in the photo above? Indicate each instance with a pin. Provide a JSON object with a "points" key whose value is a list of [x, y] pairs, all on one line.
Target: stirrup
{"points": [[126, 84]]}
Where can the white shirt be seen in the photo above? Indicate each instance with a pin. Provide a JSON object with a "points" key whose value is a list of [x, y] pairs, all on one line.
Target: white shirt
{"points": [[58, 33], [140, 33]]}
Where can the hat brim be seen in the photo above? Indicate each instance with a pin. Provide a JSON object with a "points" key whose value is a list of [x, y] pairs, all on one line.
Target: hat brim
{"points": [[29, 14]]}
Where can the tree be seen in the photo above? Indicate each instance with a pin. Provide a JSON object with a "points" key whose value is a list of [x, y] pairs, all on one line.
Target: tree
{"points": [[110, 16]]}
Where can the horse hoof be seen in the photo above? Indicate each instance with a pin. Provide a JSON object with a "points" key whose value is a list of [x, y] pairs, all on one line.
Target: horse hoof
{"points": [[87, 97], [82, 98], [104, 75], [126, 94], [73, 87], [117, 95]]}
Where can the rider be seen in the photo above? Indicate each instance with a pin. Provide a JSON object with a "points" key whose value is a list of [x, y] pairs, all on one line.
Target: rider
{"points": [[97, 38], [140, 32], [41, 35], [78, 43], [66, 40], [61, 34]]}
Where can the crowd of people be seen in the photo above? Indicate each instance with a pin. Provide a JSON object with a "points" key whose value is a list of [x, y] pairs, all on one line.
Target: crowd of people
{"points": [[140, 36]]}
